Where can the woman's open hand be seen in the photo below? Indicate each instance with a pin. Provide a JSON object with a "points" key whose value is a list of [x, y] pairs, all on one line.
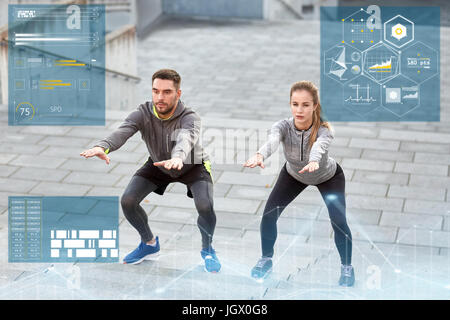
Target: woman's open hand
{"points": [[310, 167], [256, 160]]}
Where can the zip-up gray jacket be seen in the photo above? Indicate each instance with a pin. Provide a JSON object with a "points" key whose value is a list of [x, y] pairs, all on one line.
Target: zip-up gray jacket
{"points": [[177, 136], [296, 151]]}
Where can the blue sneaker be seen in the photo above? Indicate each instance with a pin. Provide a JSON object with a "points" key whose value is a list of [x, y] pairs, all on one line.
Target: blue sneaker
{"points": [[212, 263], [347, 278], [262, 269], [142, 252]]}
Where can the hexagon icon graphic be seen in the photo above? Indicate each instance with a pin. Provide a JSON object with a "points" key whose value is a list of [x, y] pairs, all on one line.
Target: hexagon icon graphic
{"points": [[358, 33], [398, 31], [362, 95], [419, 62], [342, 63], [381, 63], [400, 95]]}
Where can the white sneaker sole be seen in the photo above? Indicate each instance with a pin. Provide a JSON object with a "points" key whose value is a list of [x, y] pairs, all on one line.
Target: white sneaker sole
{"points": [[264, 277], [152, 256], [204, 266]]}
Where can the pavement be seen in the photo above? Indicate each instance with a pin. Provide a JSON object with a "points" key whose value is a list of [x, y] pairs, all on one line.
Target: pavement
{"points": [[236, 75]]}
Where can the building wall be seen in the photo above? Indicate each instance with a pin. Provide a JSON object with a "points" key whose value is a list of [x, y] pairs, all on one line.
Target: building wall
{"points": [[250, 9], [147, 13]]}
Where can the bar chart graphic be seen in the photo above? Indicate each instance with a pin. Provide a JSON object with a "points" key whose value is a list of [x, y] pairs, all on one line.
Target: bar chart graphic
{"points": [[63, 229]]}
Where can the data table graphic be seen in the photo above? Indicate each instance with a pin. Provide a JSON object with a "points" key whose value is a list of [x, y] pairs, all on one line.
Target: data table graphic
{"points": [[380, 63], [63, 229], [56, 66]]}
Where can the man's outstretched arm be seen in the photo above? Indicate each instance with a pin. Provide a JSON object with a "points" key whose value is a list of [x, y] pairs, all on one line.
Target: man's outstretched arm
{"points": [[116, 139]]}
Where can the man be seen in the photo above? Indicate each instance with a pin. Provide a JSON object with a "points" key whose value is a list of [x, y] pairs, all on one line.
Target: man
{"points": [[171, 132]]}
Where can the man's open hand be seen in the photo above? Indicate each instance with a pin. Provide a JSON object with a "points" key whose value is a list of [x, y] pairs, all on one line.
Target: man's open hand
{"points": [[95, 152], [174, 163]]}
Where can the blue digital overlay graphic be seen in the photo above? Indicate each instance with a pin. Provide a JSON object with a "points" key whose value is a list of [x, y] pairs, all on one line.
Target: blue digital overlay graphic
{"points": [[56, 65], [380, 63], [63, 229]]}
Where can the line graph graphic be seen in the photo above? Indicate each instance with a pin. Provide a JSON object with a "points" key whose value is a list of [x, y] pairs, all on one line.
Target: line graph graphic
{"points": [[411, 92], [384, 66], [362, 94], [381, 63]]}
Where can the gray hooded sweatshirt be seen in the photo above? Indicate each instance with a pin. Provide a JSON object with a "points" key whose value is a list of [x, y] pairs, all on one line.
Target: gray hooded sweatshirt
{"points": [[177, 136], [296, 151]]}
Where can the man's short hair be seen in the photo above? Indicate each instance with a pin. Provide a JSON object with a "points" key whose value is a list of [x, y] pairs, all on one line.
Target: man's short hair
{"points": [[168, 74]]}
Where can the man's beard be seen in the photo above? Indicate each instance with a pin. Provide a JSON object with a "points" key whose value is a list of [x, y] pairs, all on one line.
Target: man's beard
{"points": [[169, 109]]}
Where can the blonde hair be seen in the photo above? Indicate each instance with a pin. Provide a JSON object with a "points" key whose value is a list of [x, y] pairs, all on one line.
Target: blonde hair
{"points": [[317, 120]]}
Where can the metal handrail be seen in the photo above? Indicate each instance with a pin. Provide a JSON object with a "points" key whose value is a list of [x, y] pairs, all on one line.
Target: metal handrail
{"points": [[291, 9], [117, 73], [109, 37]]}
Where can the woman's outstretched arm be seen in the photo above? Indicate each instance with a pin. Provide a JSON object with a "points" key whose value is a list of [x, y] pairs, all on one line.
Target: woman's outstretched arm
{"points": [[269, 147]]}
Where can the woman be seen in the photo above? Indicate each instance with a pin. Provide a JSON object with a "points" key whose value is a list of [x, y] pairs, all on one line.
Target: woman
{"points": [[305, 138]]}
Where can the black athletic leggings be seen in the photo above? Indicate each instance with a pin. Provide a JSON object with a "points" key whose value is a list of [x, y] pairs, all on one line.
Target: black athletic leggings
{"points": [[139, 187], [287, 189]]}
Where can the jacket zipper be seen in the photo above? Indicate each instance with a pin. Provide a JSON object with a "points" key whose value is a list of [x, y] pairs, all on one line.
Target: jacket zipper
{"points": [[164, 136], [162, 133], [302, 147], [167, 143]]}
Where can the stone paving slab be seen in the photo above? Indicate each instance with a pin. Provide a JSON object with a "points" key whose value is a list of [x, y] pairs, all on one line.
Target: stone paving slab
{"points": [[387, 155], [90, 165], [355, 216], [421, 168], [6, 171], [336, 151], [16, 185], [59, 189], [367, 164], [374, 202], [12, 137], [424, 237], [90, 178], [410, 135], [405, 251], [411, 220], [428, 181], [427, 207], [381, 177], [41, 174], [366, 188], [38, 161], [443, 148], [376, 144], [23, 148], [246, 179], [417, 193]]}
